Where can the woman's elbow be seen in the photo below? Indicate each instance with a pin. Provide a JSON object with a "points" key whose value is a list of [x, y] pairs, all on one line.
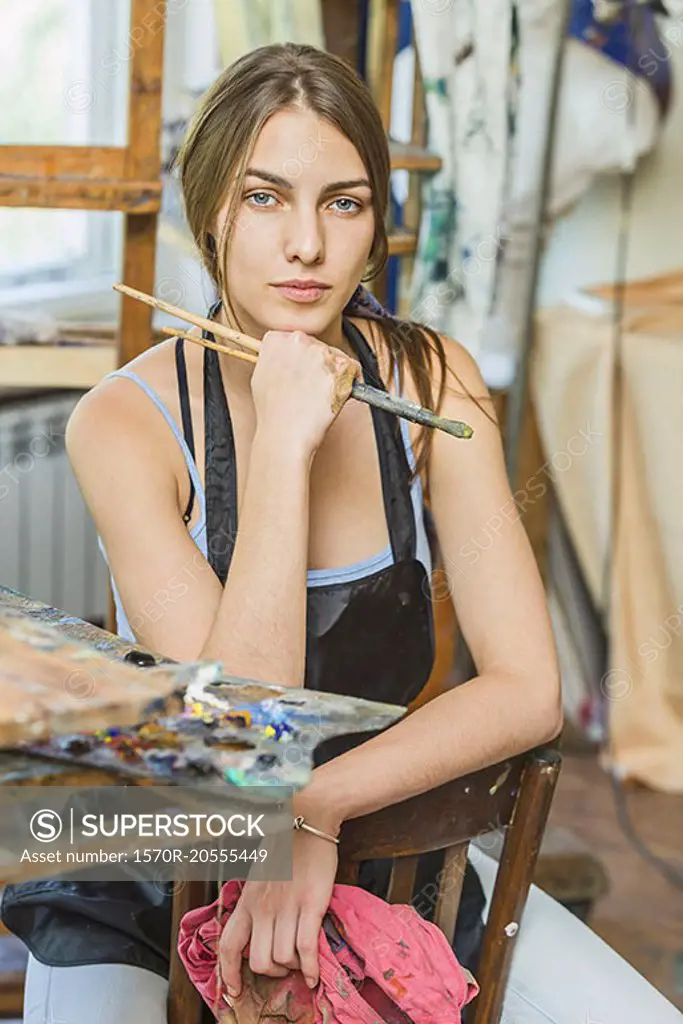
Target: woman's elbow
{"points": [[550, 714]]}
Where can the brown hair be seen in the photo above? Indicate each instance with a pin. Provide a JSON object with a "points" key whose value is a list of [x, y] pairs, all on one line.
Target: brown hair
{"points": [[218, 147]]}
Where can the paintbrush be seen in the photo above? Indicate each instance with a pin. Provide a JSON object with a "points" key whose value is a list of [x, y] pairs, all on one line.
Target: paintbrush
{"points": [[402, 407]]}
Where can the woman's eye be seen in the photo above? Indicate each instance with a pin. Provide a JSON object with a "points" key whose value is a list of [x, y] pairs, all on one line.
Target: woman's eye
{"points": [[256, 198], [350, 205]]}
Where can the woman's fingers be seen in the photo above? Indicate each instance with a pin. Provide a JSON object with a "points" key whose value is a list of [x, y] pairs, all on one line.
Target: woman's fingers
{"points": [[300, 385], [261, 958], [284, 940], [234, 938], [307, 944]]}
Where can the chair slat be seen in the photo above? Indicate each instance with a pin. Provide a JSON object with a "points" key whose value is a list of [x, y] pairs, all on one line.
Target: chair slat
{"points": [[453, 813], [347, 872], [450, 889], [402, 880]]}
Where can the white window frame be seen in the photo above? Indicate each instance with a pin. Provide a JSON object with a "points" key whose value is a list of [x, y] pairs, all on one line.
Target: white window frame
{"points": [[78, 284], [191, 62]]}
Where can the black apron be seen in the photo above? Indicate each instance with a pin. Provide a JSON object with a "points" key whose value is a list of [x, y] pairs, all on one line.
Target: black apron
{"points": [[372, 637]]}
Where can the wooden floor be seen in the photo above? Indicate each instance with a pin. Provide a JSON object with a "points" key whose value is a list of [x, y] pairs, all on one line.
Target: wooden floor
{"points": [[642, 914]]}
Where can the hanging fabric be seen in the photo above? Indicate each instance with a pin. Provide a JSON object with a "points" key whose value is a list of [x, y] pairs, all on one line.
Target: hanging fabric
{"points": [[610, 111], [488, 73], [464, 50], [571, 381]]}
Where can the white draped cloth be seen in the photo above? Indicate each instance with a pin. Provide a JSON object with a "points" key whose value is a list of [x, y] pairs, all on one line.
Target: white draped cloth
{"points": [[476, 240]]}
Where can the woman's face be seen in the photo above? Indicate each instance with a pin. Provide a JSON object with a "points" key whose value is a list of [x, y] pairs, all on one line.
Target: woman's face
{"points": [[305, 215]]}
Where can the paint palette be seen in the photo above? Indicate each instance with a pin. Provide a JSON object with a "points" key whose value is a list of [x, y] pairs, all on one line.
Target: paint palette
{"points": [[51, 684], [72, 692], [266, 739]]}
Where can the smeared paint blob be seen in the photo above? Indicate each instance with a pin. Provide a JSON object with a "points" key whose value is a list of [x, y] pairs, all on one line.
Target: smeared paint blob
{"points": [[500, 780], [343, 381], [398, 988]]}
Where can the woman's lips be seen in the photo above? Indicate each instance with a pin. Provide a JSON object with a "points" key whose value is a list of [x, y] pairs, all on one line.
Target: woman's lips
{"points": [[311, 293]]}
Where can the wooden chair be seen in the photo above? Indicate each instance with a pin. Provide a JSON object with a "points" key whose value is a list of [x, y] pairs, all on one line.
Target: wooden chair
{"points": [[514, 795]]}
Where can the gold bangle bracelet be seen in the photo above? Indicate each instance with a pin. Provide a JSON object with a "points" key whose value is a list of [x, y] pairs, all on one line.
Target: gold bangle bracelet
{"points": [[300, 822]]}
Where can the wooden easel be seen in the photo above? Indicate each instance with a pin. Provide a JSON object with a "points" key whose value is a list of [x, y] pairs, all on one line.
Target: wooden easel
{"points": [[124, 178], [127, 179], [340, 20]]}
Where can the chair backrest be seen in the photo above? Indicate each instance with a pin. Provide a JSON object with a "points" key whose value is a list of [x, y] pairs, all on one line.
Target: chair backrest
{"points": [[514, 795]]}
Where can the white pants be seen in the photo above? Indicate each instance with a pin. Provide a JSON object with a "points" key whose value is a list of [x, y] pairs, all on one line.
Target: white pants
{"points": [[562, 973]]}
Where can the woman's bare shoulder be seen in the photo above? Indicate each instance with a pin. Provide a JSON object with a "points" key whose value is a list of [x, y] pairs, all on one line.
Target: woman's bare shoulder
{"points": [[463, 372], [117, 420]]}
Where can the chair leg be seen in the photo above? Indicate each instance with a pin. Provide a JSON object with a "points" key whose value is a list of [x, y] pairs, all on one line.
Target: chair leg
{"points": [[515, 875], [185, 1005], [12, 994]]}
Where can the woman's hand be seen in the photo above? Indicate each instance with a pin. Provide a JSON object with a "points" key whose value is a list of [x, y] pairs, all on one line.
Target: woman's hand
{"points": [[281, 920], [299, 386]]}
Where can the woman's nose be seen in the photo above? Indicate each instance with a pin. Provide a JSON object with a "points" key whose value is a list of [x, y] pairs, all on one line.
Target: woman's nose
{"points": [[304, 237]]}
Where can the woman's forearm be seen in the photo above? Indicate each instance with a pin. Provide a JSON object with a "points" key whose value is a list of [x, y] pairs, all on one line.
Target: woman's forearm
{"points": [[260, 627], [476, 724]]}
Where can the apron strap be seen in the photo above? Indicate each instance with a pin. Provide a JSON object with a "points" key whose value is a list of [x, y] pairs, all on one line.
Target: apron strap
{"points": [[220, 464], [393, 460]]}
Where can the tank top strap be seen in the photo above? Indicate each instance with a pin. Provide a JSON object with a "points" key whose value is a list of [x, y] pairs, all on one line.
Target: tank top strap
{"points": [[188, 454], [405, 429]]}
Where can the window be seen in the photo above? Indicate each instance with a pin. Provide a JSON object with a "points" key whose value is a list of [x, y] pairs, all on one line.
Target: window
{"points": [[60, 85]]}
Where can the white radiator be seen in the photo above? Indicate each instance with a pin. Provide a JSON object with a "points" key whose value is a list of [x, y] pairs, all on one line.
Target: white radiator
{"points": [[48, 542]]}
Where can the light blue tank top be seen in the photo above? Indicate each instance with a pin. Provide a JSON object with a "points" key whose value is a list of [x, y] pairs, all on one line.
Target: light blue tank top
{"points": [[316, 577]]}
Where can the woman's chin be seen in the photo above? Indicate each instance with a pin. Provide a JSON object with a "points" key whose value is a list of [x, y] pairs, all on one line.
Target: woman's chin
{"points": [[314, 320]]}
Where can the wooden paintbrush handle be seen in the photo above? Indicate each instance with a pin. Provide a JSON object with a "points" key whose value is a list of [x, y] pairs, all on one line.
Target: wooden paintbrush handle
{"points": [[362, 392], [408, 410], [236, 337], [246, 356]]}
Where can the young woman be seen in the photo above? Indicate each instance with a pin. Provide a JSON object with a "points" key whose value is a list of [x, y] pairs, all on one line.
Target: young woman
{"points": [[254, 516]]}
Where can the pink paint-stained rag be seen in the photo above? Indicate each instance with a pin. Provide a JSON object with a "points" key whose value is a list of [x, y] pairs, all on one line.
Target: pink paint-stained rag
{"points": [[380, 963]]}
